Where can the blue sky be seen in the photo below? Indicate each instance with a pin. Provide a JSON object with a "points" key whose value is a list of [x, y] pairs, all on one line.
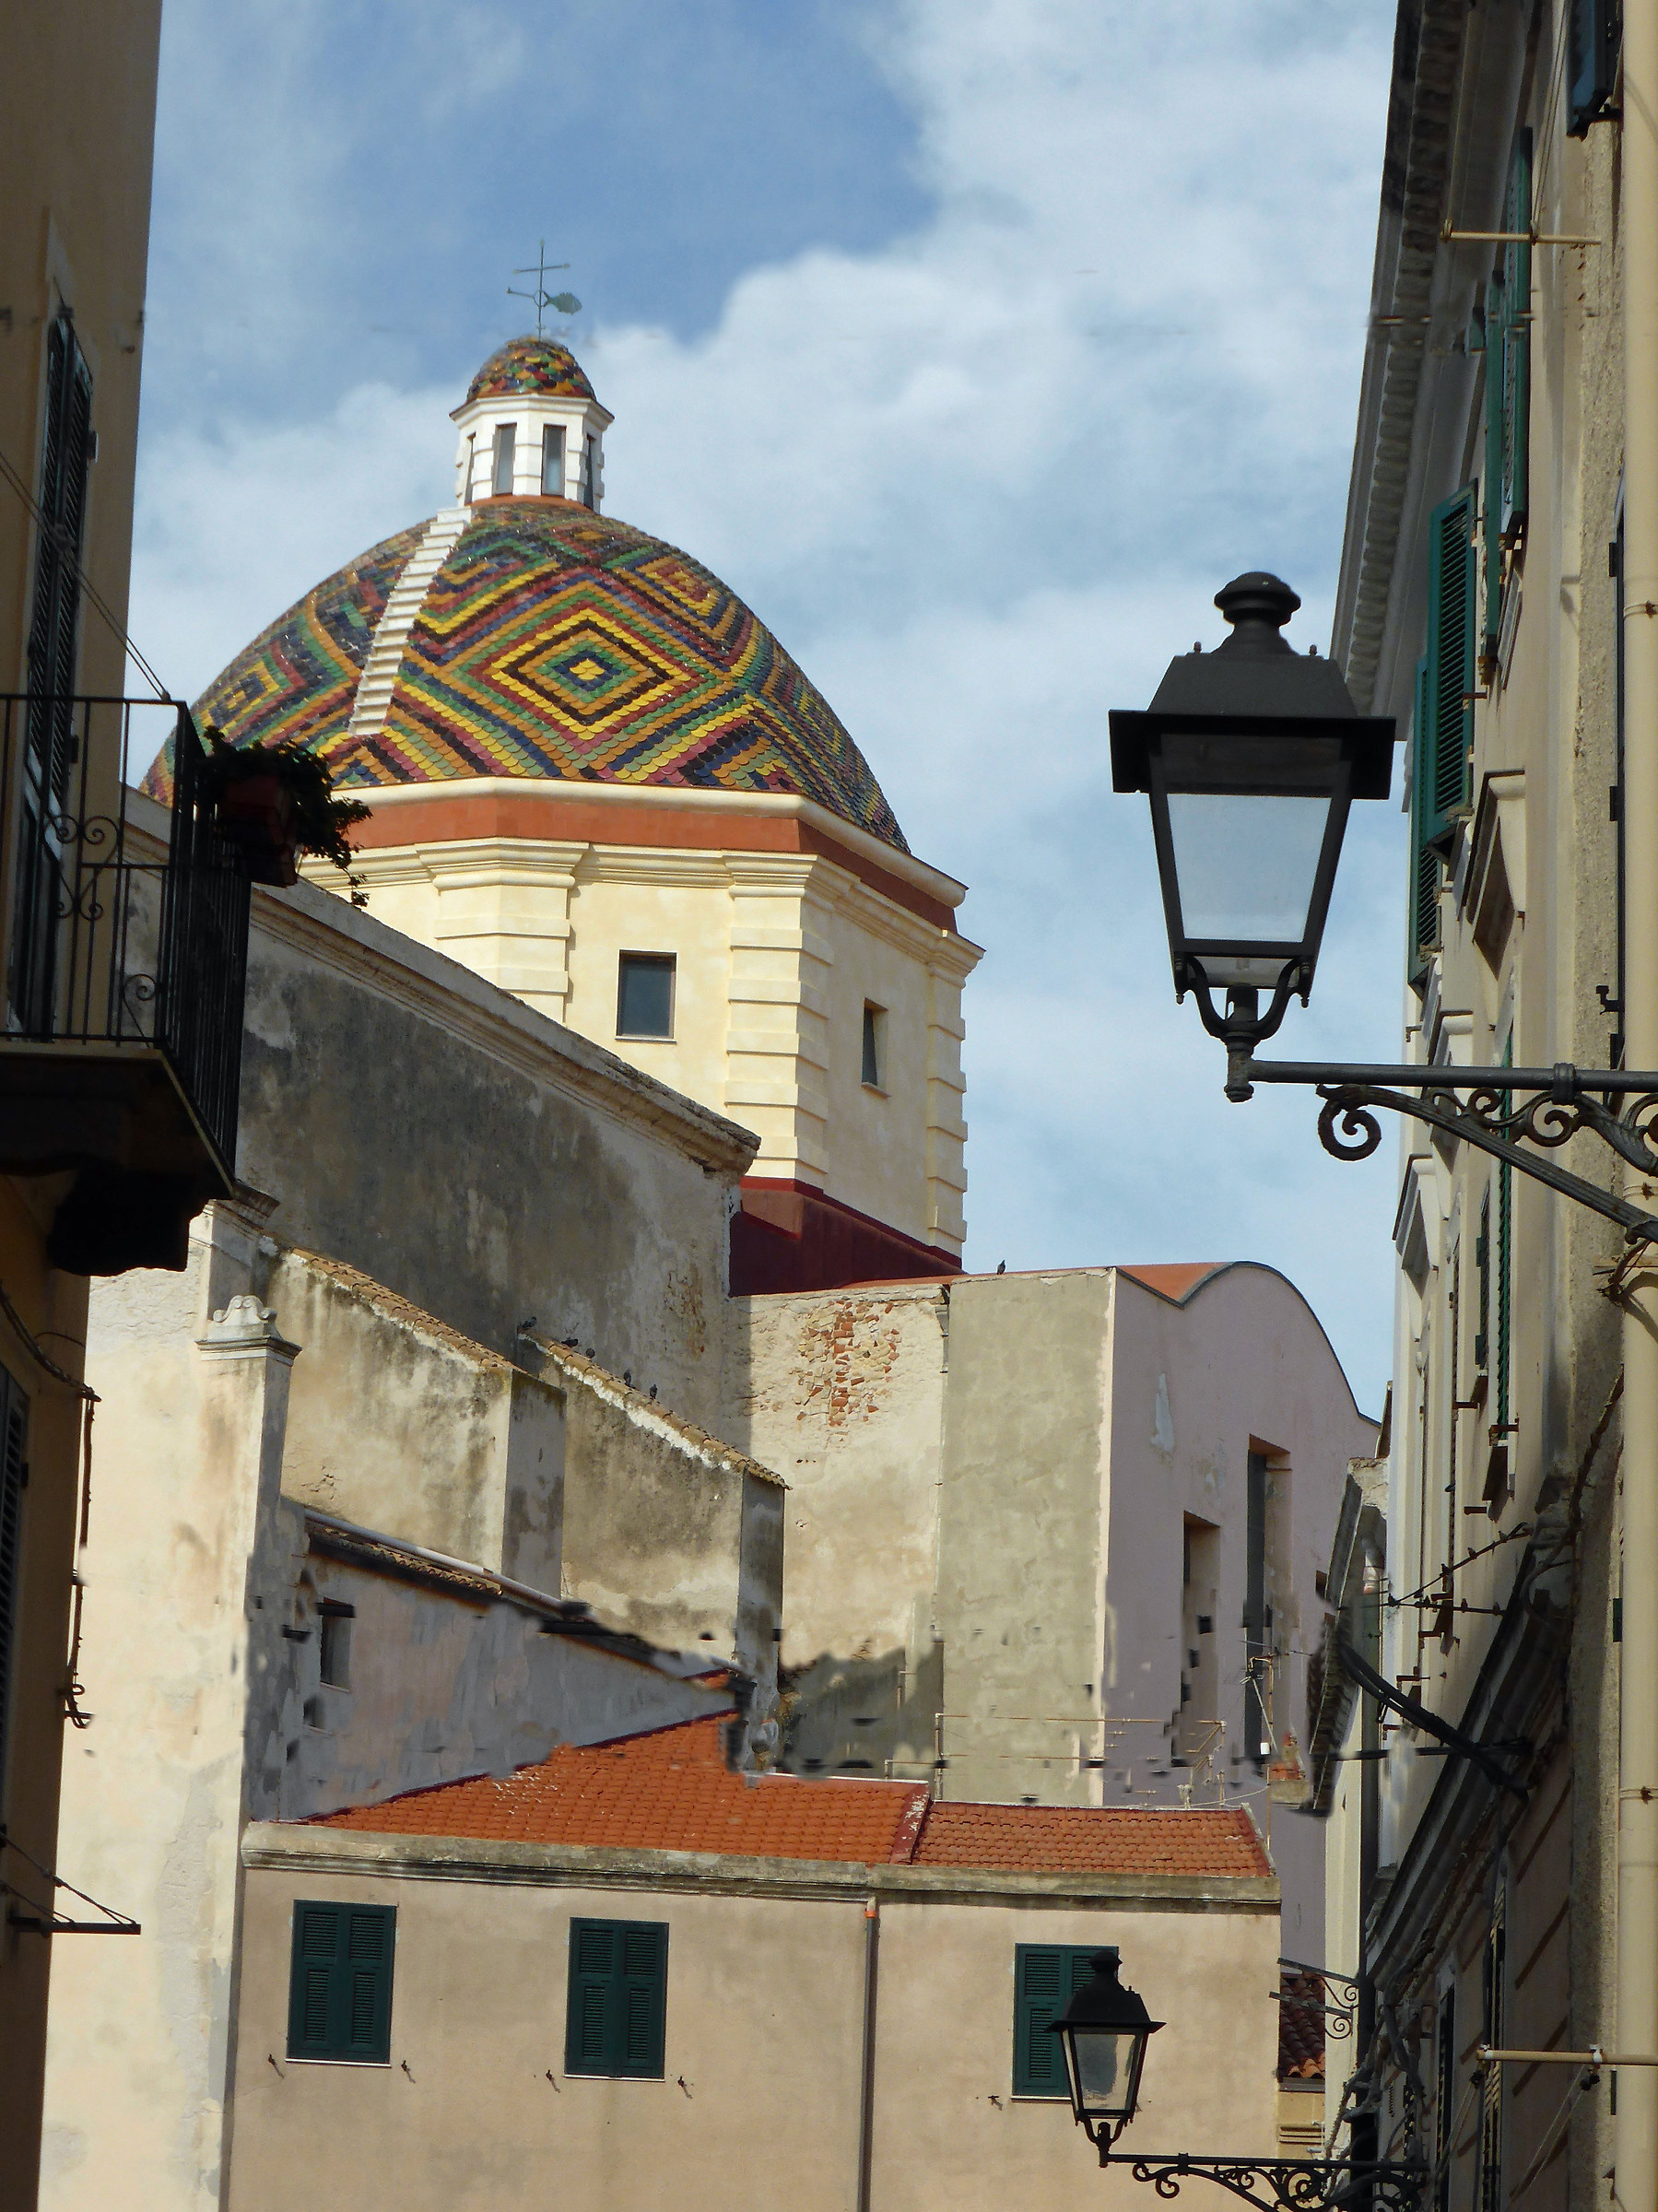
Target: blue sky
{"points": [[976, 342]]}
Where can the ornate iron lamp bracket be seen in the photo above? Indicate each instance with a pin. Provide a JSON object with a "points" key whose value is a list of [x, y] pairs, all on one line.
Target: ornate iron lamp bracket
{"points": [[1286, 2185], [1497, 1109]]}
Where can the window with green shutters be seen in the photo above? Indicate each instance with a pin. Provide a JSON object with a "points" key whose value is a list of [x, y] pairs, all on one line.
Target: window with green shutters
{"points": [[1508, 340], [340, 1996], [14, 1474], [1424, 858], [1444, 755], [1046, 1976], [1591, 62], [618, 1998]]}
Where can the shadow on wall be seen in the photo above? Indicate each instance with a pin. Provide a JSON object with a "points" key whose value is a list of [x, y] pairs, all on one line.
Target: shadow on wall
{"points": [[868, 1715]]}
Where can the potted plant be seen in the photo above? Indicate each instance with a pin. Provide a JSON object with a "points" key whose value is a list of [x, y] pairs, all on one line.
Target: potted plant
{"points": [[277, 804]]}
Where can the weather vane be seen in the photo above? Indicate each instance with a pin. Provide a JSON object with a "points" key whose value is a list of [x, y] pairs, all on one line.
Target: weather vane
{"points": [[563, 304]]}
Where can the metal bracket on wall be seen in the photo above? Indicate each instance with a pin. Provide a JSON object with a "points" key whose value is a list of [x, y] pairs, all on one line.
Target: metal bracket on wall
{"points": [[1508, 238], [1495, 1114]]}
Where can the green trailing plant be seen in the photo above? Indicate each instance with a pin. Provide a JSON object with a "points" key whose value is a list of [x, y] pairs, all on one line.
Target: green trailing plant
{"points": [[312, 818]]}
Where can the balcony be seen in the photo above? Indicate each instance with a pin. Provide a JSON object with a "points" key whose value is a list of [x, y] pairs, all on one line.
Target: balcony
{"points": [[124, 967]]}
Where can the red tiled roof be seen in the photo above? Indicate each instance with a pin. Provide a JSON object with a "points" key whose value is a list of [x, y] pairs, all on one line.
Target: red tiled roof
{"points": [[1301, 2027], [667, 1790], [1034, 1839], [670, 1790]]}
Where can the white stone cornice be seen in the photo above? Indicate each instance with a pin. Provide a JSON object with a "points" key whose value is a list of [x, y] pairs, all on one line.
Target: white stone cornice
{"points": [[932, 882]]}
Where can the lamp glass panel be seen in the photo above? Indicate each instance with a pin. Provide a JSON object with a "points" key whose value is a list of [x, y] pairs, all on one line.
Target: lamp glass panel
{"points": [[1105, 2069], [1245, 864]]}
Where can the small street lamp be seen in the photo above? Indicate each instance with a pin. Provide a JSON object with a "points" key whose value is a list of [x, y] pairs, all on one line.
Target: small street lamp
{"points": [[1252, 756], [1104, 2031]]}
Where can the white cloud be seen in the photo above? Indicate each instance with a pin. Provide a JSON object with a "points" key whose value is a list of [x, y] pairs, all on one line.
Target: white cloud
{"points": [[983, 483]]}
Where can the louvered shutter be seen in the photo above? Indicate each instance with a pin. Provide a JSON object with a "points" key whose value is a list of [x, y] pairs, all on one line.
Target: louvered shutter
{"points": [[339, 2002], [1592, 62], [13, 1440], [1046, 1976], [56, 609], [1450, 684], [1491, 491], [1424, 925], [1505, 1273], [616, 2011], [1516, 337]]}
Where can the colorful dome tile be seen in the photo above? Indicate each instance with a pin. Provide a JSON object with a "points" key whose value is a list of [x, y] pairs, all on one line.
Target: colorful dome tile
{"points": [[530, 365], [552, 643], [297, 679]]}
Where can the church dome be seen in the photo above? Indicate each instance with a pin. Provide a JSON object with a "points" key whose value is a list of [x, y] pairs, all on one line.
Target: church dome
{"points": [[531, 636], [526, 365]]}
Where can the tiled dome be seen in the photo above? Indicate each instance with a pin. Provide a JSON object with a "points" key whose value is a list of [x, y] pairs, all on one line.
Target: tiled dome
{"points": [[550, 643], [530, 365]]}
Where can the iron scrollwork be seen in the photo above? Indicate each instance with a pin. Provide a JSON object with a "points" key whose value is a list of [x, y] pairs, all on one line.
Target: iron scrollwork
{"points": [[1498, 1111], [1288, 2184]]}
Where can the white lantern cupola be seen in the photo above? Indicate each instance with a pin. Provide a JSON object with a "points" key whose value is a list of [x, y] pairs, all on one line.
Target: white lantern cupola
{"points": [[531, 428]]}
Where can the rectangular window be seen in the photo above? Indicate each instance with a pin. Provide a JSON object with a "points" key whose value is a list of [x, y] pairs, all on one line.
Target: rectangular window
{"points": [[1482, 1263], [334, 1643], [1444, 760], [339, 1991], [874, 1045], [618, 1998], [552, 461], [66, 450], [1493, 1992], [1046, 1976], [589, 471], [1444, 2102], [645, 995], [14, 1474], [1254, 1611], [1425, 859], [506, 442]]}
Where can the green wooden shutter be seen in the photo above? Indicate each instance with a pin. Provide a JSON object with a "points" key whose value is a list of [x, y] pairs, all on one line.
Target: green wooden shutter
{"points": [[54, 616], [1424, 927], [1482, 1261], [1046, 1976], [14, 1437], [1516, 337], [1505, 1267], [616, 2011], [1492, 490], [339, 2003], [1450, 685], [1592, 62]]}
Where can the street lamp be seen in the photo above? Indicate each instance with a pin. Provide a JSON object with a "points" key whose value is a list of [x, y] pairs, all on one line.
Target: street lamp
{"points": [[1252, 756], [1104, 2031]]}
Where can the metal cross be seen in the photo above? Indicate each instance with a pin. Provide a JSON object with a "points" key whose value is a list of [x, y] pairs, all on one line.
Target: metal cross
{"points": [[565, 303]]}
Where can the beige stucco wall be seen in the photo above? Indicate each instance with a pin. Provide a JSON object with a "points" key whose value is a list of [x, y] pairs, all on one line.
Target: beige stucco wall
{"points": [[988, 1486], [761, 2091], [200, 1658], [776, 954], [77, 106], [496, 1170]]}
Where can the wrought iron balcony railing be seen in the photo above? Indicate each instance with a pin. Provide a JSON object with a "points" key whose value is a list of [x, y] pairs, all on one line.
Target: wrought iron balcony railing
{"points": [[125, 962]]}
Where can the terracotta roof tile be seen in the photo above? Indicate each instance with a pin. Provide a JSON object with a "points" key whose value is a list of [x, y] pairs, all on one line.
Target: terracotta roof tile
{"points": [[1092, 1840], [670, 1790]]}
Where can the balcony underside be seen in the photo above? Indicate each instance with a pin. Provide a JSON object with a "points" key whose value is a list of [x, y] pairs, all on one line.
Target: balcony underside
{"points": [[119, 1120]]}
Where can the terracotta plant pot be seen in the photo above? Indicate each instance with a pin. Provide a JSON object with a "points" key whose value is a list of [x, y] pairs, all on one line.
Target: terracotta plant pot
{"points": [[256, 813]]}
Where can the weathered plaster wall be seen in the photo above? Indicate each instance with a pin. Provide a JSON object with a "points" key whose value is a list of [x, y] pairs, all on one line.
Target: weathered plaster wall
{"points": [[669, 1532], [843, 1392], [1022, 1542], [474, 1156], [766, 1963], [206, 1714], [400, 1423]]}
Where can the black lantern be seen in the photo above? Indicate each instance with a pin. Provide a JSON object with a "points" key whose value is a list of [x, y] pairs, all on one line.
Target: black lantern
{"points": [[1251, 755], [1103, 2033]]}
